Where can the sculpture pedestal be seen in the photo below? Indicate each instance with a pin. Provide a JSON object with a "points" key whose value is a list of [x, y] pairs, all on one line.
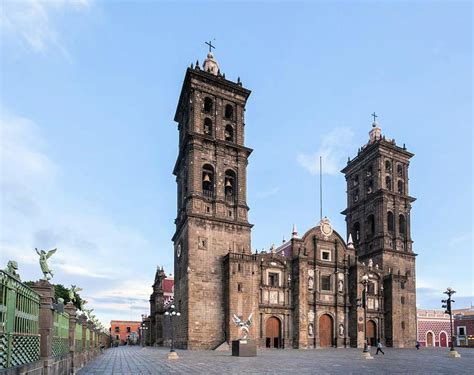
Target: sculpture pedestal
{"points": [[172, 355], [244, 348], [454, 354]]}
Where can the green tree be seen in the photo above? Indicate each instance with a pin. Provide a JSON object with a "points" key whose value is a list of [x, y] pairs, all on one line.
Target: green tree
{"points": [[60, 291]]}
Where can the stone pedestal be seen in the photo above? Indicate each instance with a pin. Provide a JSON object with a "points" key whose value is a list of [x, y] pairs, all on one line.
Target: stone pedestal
{"points": [[173, 355], [244, 348], [454, 354], [367, 355]]}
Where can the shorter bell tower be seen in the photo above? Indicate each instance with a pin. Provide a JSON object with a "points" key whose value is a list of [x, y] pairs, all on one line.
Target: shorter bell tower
{"points": [[378, 216]]}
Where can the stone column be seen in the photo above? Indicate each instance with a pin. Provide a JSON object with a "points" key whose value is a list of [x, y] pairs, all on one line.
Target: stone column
{"points": [[46, 292], [71, 310]]}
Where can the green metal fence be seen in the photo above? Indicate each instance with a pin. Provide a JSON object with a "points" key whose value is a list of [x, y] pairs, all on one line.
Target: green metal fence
{"points": [[78, 337], [88, 339], [19, 312], [60, 334]]}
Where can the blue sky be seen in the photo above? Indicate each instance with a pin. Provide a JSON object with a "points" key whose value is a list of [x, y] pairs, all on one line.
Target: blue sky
{"points": [[88, 95]]}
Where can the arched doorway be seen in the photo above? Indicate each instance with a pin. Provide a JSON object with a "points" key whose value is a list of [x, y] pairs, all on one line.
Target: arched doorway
{"points": [[273, 333], [325, 331], [371, 332], [429, 339], [443, 340]]}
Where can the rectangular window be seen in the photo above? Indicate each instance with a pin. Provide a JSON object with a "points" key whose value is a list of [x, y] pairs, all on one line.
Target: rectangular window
{"points": [[371, 288], [117, 329], [273, 279], [240, 288], [403, 325], [129, 329], [325, 282], [117, 337], [461, 331], [325, 255], [403, 300]]}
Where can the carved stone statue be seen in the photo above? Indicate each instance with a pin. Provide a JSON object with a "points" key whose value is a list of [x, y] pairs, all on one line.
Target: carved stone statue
{"points": [[341, 329], [43, 260], [72, 293], [243, 325], [340, 286], [88, 313], [371, 263], [61, 301], [12, 267], [310, 329], [310, 283]]}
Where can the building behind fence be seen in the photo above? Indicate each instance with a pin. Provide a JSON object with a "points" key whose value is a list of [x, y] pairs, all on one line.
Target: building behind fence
{"points": [[35, 338]]}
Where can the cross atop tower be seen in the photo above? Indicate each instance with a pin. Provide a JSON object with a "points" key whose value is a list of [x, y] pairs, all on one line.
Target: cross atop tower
{"points": [[374, 116], [210, 45]]}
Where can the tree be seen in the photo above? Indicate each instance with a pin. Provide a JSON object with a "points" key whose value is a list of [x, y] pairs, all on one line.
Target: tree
{"points": [[60, 291]]}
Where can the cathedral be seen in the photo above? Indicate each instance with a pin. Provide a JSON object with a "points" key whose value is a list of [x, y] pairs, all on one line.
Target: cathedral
{"points": [[315, 290]]}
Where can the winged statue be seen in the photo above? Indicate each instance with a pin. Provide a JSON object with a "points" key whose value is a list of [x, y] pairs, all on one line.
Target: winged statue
{"points": [[43, 260], [244, 325], [72, 293]]}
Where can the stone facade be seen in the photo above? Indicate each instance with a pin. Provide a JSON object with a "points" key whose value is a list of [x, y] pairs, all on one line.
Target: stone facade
{"points": [[307, 292]]}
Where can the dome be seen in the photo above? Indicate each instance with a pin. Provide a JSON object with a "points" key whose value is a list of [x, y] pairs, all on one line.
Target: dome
{"points": [[210, 64]]}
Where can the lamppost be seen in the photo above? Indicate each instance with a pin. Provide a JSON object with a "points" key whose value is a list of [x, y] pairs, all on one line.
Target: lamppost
{"points": [[447, 305], [143, 333], [365, 283], [172, 313]]}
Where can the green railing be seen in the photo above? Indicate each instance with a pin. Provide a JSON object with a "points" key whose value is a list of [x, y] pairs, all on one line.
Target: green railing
{"points": [[60, 334], [78, 337], [19, 311], [88, 339]]}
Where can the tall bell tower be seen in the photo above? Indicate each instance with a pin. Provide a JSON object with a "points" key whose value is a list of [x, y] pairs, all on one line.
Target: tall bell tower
{"points": [[378, 217], [212, 217]]}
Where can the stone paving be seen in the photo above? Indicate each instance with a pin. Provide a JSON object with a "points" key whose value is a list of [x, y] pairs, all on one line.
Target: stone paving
{"points": [[138, 360]]}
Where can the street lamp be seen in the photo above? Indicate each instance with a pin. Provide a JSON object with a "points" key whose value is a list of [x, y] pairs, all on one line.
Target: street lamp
{"points": [[447, 305], [365, 283], [172, 313], [143, 332]]}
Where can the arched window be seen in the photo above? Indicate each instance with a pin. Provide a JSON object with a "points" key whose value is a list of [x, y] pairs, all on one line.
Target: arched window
{"points": [[355, 180], [356, 195], [388, 183], [370, 225], [402, 225], [400, 170], [390, 223], [369, 171], [229, 133], [207, 126], [208, 181], [208, 105], [388, 166], [229, 112], [370, 186], [356, 232], [400, 187], [229, 186]]}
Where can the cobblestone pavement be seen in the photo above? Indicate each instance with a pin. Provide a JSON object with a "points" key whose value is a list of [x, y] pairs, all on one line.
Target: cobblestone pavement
{"points": [[137, 360]]}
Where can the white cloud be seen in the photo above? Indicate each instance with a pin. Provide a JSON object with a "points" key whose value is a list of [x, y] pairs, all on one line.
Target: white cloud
{"points": [[35, 211], [33, 22], [334, 148], [268, 193]]}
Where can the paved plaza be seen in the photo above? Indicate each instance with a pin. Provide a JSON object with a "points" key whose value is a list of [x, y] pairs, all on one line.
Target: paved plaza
{"points": [[138, 360]]}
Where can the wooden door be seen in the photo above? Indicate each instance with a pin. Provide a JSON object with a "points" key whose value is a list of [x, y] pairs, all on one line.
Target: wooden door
{"points": [[325, 331], [429, 339], [371, 332], [443, 340], [273, 333]]}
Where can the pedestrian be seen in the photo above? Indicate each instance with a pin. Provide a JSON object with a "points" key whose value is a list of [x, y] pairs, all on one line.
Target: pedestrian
{"points": [[417, 345], [379, 348]]}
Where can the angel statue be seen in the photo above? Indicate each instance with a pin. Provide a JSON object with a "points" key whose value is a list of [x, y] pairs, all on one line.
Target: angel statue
{"points": [[43, 260], [72, 293], [243, 325], [88, 313], [81, 304]]}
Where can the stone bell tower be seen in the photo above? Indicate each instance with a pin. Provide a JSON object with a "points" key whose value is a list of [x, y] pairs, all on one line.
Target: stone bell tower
{"points": [[212, 217], [378, 218]]}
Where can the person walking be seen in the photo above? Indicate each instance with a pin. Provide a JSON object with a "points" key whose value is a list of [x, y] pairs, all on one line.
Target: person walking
{"points": [[417, 345], [379, 348]]}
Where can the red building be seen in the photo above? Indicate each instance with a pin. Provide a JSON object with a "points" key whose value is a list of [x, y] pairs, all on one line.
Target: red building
{"points": [[433, 328], [124, 331], [464, 326]]}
